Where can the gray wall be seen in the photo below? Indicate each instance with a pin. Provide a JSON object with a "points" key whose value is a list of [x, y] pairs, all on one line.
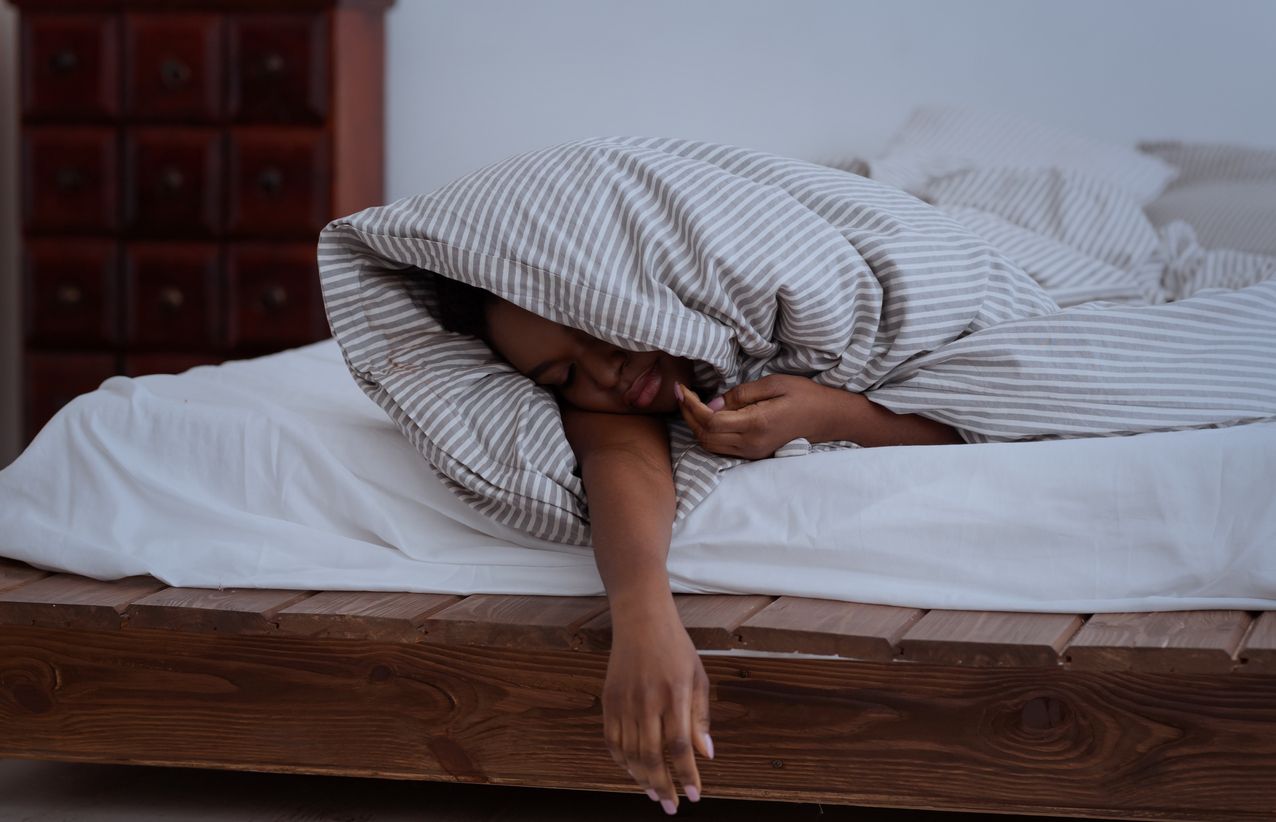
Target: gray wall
{"points": [[472, 81]]}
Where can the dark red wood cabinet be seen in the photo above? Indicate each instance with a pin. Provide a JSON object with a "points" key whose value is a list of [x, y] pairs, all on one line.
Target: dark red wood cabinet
{"points": [[178, 160]]}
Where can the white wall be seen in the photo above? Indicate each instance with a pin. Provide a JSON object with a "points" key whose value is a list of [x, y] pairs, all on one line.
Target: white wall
{"points": [[473, 81]]}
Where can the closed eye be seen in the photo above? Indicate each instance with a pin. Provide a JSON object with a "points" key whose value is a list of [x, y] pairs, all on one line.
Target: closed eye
{"points": [[571, 375]]}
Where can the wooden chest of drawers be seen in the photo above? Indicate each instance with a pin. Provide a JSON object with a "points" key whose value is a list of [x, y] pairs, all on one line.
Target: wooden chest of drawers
{"points": [[178, 160]]}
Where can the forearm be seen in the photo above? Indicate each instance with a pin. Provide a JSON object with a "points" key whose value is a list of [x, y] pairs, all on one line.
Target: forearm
{"points": [[631, 504], [856, 418], [629, 484]]}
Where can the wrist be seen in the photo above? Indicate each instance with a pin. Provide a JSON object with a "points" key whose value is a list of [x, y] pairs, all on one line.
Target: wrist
{"points": [[839, 412], [642, 609]]}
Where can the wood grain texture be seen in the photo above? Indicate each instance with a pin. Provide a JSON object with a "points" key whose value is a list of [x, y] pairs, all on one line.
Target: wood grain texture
{"points": [[1166, 641], [245, 611], [513, 621], [1057, 741], [14, 573], [989, 638], [1257, 654], [362, 615], [824, 626], [710, 619], [70, 601]]}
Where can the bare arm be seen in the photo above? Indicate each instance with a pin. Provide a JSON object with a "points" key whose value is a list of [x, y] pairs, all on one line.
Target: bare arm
{"points": [[656, 693]]}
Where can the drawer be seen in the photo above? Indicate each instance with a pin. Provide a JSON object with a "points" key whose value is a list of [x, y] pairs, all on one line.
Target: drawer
{"points": [[135, 365], [173, 181], [274, 295], [278, 68], [69, 179], [70, 290], [172, 295], [70, 66], [279, 182], [53, 380], [173, 66]]}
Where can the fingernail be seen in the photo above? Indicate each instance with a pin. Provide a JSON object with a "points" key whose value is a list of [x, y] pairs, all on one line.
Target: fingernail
{"points": [[669, 807], [677, 391], [716, 404], [651, 793], [708, 743], [692, 793]]}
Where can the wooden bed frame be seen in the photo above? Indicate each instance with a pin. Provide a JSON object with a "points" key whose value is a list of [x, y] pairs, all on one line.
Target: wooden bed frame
{"points": [[1134, 716]]}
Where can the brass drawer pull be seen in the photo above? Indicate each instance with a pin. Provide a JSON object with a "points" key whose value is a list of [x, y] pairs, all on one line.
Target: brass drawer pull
{"points": [[273, 63], [270, 180], [68, 179], [68, 295], [174, 73], [172, 179], [64, 62], [171, 298], [274, 298]]}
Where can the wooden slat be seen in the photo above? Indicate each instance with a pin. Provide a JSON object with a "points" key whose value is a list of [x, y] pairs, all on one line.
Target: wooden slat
{"points": [[14, 573], [1258, 652], [1167, 641], [72, 601], [710, 619], [246, 611], [824, 626], [989, 638], [508, 621], [391, 617], [1045, 741]]}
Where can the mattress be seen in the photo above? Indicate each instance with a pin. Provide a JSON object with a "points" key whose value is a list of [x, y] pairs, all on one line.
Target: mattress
{"points": [[278, 472]]}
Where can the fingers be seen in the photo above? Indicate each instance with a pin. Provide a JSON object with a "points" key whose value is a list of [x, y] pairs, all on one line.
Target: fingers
{"points": [[679, 727], [768, 387], [651, 762]]}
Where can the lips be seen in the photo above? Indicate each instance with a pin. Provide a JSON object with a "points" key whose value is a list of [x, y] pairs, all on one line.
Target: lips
{"points": [[643, 390]]}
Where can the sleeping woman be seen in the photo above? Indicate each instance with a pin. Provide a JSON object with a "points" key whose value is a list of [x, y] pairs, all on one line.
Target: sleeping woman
{"points": [[656, 695], [638, 277]]}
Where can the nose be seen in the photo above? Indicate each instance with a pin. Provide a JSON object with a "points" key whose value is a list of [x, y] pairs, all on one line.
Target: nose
{"points": [[603, 364]]}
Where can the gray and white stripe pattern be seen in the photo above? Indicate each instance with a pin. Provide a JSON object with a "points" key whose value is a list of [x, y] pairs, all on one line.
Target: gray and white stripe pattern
{"points": [[751, 264]]}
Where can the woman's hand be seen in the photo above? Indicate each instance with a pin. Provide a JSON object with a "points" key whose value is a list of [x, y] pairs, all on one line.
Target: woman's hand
{"points": [[755, 418], [656, 696]]}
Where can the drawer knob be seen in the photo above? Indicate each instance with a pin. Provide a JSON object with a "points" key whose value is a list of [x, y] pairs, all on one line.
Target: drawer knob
{"points": [[274, 297], [172, 179], [68, 179], [174, 73], [68, 295], [64, 62], [270, 180], [171, 298], [273, 63]]}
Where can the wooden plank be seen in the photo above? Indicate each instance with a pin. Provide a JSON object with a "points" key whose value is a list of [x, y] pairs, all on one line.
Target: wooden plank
{"points": [[72, 601], [509, 621], [1257, 654], [989, 638], [824, 626], [229, 610], [395, 617], [710, 619], [1164, 641], [14, 573], [1005, 740]]}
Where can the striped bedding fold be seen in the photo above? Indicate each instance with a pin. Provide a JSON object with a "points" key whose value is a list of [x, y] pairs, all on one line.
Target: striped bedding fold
{"points": [[750, 264]]}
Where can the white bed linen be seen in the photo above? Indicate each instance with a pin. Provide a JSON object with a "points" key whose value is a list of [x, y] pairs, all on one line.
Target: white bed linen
{"points": [[278, 472]]}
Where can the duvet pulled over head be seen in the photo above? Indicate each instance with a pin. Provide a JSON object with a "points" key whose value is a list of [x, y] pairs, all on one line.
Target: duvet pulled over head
{"points": [[744, 262]]}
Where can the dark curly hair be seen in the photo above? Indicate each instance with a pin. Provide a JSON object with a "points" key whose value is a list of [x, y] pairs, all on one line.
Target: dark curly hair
{"points": [[461, 306]]}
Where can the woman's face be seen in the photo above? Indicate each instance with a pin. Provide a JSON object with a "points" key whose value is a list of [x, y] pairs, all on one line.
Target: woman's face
{"points": [[586, 372]]}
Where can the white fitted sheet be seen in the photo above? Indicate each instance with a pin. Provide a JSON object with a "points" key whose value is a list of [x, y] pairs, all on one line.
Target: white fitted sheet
{"points": [[278, 472]]}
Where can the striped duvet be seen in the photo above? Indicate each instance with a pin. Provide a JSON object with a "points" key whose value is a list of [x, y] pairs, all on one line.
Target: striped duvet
{"points": [[1018, 303]]}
